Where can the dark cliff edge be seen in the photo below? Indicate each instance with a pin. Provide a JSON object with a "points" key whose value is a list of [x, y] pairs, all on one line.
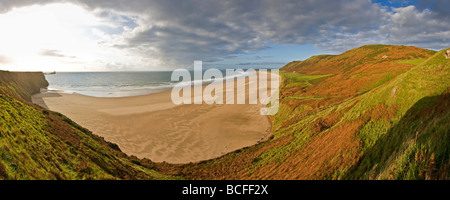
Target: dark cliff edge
{"points": [[23, 84]]}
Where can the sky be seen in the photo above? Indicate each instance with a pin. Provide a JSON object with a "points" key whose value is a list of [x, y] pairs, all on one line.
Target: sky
{"points": [[162, 35]]}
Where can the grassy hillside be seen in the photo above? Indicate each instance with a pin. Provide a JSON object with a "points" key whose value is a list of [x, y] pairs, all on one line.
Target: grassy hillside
{"points": [[40, 144], [375, 112]]}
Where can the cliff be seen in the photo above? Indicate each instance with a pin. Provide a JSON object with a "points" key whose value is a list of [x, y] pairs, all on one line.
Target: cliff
{"points": [[23, 84]]}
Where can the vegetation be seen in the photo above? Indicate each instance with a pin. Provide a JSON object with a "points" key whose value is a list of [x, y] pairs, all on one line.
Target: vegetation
{"points": [[358, 115], [40, 144], [374, 112], [412, 62]]}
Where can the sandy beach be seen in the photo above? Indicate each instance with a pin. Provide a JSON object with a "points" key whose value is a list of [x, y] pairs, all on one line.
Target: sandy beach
{"points": [[151, 126]]}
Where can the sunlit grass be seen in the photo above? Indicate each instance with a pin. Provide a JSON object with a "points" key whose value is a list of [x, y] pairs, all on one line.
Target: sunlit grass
{"points": [[412, 62]]}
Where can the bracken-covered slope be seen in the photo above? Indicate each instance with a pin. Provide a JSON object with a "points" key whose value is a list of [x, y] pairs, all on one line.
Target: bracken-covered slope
{"points": [[36, 143], [375, 112]]}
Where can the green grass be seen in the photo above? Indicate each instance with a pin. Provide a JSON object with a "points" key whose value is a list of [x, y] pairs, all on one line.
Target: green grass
{"points": [[297, 79], [402, 132], [301, 77], [397, 128], [29, 150], [300, 131], [412, 62], [377, 83], [412, 148], [305, 98], [39, 144], [406, 145], [420, 125]]}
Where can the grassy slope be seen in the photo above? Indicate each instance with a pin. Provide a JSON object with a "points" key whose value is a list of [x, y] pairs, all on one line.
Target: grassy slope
{"points": [[413, 142], [350, 116], [39, 144], [372, 118]]}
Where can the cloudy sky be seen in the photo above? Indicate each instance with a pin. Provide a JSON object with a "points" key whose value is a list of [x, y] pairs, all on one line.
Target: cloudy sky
{"points": [[108, 35]]}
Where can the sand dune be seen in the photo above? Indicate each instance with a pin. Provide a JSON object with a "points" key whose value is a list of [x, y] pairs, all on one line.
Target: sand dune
{"points": [[151, 126]]}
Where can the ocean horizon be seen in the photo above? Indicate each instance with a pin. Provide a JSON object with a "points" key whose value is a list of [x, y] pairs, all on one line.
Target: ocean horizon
{"points": [[122, 83]]}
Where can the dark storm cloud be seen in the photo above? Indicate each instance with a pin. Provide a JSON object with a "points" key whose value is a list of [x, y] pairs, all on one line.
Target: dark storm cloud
{"points": [[184, 31], [440, 7]]}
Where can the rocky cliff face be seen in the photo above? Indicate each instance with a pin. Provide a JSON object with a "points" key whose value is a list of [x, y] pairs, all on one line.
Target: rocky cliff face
{"points": [[22, 84]]}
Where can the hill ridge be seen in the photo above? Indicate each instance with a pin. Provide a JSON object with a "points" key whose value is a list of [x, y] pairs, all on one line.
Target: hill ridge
{"points": [[334, 126]]}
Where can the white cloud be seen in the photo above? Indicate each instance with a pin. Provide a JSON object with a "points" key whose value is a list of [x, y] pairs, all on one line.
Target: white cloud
{"points": [[62, 37], [422, 28], [402, 26]]}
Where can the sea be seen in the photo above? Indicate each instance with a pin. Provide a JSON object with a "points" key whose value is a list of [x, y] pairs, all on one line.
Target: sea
{"points": [[122, 84]]}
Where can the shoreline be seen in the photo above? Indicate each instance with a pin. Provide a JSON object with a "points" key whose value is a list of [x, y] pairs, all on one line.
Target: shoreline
{"points": [[151, 126], [139, 90]]}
